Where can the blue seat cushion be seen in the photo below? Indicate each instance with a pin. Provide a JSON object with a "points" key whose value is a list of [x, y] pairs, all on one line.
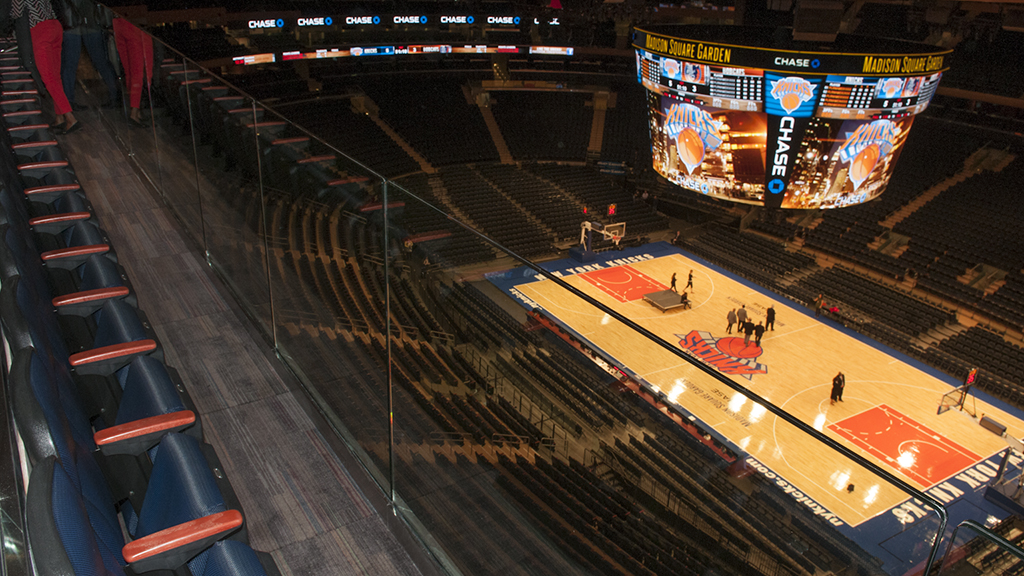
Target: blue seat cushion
{"points": [[117, 322], [99, 271], [83, 234], [181, 486], [87, 554], [148, 390]]}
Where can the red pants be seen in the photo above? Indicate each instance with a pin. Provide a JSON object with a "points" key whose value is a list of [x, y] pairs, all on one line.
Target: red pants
{"points": [[47, 37], [135, 49]]}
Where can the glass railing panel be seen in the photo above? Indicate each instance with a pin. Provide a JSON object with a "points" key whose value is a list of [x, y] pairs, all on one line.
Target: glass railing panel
{"points": [[224, 124], [324, 233], [171, 163], [984, 550], [559, 435], [114, 105]]}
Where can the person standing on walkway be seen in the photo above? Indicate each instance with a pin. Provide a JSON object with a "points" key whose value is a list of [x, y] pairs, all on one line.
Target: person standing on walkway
{"points": [[838, 383], [769, 320], [86, 28], [758, 333], [672, 286], [689, 281], [819, 303], [731, 317], [47, 37]]}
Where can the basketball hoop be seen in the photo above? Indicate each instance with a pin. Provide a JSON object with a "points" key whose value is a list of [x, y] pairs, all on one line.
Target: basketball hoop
{"points": [[614, 232]]}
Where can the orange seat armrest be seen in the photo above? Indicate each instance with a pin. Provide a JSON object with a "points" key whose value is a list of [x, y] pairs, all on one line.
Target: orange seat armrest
{"points": [[34, 144], [74, 251], [54, 218], [181, 535], [112, 351], [143, 426], [90, 296], [52, 188], [46, 164]]}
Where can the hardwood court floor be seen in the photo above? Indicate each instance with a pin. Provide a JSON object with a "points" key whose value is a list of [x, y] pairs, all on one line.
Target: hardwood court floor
{"points": [[889, 410]]}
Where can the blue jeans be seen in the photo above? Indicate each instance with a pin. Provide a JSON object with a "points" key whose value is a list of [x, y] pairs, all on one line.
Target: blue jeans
{"points": [[71, 52]]}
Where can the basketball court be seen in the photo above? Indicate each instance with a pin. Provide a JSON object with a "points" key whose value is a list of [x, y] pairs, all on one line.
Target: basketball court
{"points": [[889, 408]]}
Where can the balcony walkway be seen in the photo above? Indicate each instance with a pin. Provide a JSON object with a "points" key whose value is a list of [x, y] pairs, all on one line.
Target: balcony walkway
{"points": [[314, 509]]}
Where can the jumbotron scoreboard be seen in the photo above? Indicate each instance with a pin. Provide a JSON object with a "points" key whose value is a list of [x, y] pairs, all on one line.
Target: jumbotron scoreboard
{"points": [[749, 115]]}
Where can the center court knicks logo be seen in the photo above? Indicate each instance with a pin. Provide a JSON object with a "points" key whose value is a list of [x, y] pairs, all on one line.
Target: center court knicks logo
{"points": [[728, 355]]}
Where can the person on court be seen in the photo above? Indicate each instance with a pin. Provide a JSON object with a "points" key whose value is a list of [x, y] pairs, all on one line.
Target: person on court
{"points": [[684, 300], [838, 383], [731, 317], [748, 331], [689, 281], [758, 333], [741, 316], [769, 320], [672, 286]]}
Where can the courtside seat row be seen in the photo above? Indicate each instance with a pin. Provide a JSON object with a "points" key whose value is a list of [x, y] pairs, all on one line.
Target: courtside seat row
{"points": [[111, 434]]}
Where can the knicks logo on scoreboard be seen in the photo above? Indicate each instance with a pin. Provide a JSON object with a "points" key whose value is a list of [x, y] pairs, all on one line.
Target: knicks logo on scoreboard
{"points": [[890, 88], [728, 355], [695, 133], [790, 94], [863, 149]]}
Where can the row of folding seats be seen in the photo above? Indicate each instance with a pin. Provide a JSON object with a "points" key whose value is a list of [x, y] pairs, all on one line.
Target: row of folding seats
{"points": [[119, 479]]}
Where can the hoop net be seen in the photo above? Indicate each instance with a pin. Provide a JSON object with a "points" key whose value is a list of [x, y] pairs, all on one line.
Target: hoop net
{"points": [[956, 399]]}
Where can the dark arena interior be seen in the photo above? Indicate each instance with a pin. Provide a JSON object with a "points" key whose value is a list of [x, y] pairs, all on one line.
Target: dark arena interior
{"points": [[304, 287]]}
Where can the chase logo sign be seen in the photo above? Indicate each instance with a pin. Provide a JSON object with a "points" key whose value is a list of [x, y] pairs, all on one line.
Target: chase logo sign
{"points": [[269, 23], [790, 96], [503, 20], [694, 131], [797, 62], [315, 21], [410, 19], [362, 20], [456, 19]]}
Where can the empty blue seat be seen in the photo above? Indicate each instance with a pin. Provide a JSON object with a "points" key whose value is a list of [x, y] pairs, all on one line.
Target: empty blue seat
{"points": [[64, 537], [18, 256], [30, 321]]}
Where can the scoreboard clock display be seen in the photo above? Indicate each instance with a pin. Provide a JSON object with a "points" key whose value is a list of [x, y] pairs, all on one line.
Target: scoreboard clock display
{"points": [[741, 115]]}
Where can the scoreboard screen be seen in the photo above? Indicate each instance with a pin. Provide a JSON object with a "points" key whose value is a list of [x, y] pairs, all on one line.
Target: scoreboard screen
{"points": [[739, 123]]}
